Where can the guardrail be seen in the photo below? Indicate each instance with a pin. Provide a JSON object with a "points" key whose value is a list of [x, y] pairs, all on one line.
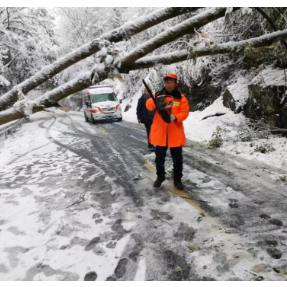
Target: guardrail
{"points": [[12, 129]]}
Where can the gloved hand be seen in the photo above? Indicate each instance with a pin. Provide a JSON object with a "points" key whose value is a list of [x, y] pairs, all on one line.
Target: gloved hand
{"points": [[160, 102], [172, 118]]}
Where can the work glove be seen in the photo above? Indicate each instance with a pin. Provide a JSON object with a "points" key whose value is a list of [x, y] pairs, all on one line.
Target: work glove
{"points": [[160, 102], [172, 118]]}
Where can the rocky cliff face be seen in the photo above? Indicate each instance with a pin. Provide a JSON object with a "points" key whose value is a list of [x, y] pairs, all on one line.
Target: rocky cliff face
{"points": [[265, 96], [265, 102], [200, 96], [236, 95]]}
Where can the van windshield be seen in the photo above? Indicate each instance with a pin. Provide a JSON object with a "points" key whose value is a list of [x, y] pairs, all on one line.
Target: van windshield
{"points": [[103, 98]]}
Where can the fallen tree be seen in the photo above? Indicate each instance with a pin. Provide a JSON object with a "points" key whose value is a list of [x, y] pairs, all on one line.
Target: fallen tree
{"points": [[186, 27], [208, 50], [89, 49], [85, 80], [105, 69], [119, 64]]}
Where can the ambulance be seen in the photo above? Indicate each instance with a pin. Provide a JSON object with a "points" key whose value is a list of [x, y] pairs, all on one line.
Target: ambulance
{"points": [[100, 103]]}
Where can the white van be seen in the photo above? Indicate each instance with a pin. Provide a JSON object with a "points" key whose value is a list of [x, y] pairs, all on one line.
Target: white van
{"points": [[101, 103]]}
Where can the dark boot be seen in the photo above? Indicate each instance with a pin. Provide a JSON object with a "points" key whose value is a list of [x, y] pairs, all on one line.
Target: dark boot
{"points": [[178, 184], [159, 181]]}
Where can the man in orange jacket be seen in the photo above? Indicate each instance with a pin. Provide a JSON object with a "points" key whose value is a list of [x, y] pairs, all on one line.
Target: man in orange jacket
{"points": [[169, 134]]}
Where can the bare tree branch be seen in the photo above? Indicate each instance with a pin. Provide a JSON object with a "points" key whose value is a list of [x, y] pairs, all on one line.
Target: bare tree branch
{"points": [[9, 46], [9, 64], [8, 22], [21, 29]]}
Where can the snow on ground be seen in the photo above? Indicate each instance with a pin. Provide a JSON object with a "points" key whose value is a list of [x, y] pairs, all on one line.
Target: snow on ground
{"points": [[200, 130], [47, 235], [131, 114], [5, 126], [9, 146], [41, 233], [270, 76], [276, 158]]}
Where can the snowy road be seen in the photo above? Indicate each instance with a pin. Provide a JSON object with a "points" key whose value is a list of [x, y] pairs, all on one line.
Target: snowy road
{"points": [[77, 203]]}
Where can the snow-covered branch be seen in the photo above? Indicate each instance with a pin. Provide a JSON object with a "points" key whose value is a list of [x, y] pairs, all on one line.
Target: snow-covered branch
{"points": [[10, 62], [102, 72], [49, 99], [193, 52], [172, 33], [271, 23], [90, 48]]}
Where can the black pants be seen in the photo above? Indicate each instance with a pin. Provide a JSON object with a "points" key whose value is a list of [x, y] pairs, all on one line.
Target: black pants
{"points": [[176, 154], [148, 126]]}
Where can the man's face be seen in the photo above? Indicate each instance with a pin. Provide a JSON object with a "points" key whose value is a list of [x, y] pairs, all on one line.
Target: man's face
{"points": [[170, 84]]}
